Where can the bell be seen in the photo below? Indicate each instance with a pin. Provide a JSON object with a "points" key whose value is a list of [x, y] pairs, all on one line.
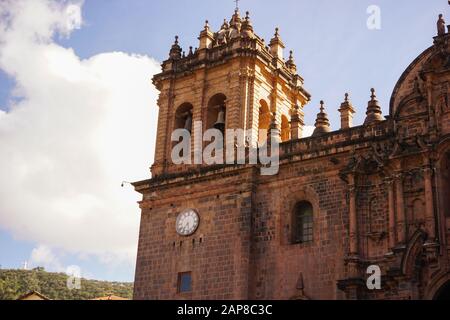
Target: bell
{"points": [[220, 123], [188, 122]]}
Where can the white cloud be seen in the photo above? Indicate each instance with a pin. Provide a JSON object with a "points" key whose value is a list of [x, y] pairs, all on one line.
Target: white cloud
{"points": [[78, 129], [43, 256]]}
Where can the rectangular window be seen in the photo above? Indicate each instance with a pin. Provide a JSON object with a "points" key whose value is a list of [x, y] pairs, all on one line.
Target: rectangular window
{"points": [[184, 282]]}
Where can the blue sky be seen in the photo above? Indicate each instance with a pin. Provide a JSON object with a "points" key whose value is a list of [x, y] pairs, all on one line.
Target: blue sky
{"points": [[334, 50]]}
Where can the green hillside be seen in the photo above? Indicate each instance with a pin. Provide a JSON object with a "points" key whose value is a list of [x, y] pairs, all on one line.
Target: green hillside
{"points": [[15, 283]]}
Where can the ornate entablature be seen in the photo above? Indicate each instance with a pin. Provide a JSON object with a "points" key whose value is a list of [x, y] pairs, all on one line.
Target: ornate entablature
{"points": [[233, 80], [234, 39]]}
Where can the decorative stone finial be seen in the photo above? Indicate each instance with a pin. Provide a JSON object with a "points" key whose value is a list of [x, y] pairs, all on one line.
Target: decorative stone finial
{"points": [[322, 108], [235, 24], [346, 110], [374, 113], [291, 63], [190, 51], [175, 51], [236, 18], [225, 25], [322, 123], [373, 96], [276, 45], [206, 36], [441, 25], [346, 102], [247, 28], [276, 35]]}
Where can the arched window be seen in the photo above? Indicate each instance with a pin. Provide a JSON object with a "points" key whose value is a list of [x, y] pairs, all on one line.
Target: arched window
{"points": [[302, 225]]}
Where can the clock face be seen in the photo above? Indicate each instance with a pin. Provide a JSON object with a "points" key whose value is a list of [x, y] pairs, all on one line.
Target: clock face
{"points": [[187, 222]]}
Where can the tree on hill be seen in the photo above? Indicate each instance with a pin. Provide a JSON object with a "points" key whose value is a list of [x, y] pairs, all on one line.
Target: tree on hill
{"points": [[15, 283]]}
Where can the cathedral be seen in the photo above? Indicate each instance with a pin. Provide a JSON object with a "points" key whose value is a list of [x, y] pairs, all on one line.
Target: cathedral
{"points": [[343, 203]]}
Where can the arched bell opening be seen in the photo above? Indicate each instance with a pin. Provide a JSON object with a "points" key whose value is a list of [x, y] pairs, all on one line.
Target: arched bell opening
{"points": [[183, 117], [217, 113], [183, 120]]}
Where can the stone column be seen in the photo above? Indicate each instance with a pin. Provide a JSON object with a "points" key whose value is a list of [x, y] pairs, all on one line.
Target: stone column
{"points": [[401, 226], [274, 129], [391, 202], [353, 218], [429, 205], [165, 104]]}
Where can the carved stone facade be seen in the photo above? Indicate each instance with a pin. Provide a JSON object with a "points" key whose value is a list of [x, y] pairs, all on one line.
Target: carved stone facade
{"points": [[379, 192]]}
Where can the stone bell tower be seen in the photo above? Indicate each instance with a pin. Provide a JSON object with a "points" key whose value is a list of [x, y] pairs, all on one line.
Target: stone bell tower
{"points": [[195, 234], [343, 200], [233, 75]]}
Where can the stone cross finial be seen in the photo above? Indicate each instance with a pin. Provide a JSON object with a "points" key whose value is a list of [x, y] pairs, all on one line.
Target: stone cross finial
{"points": [[322, 107]]}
